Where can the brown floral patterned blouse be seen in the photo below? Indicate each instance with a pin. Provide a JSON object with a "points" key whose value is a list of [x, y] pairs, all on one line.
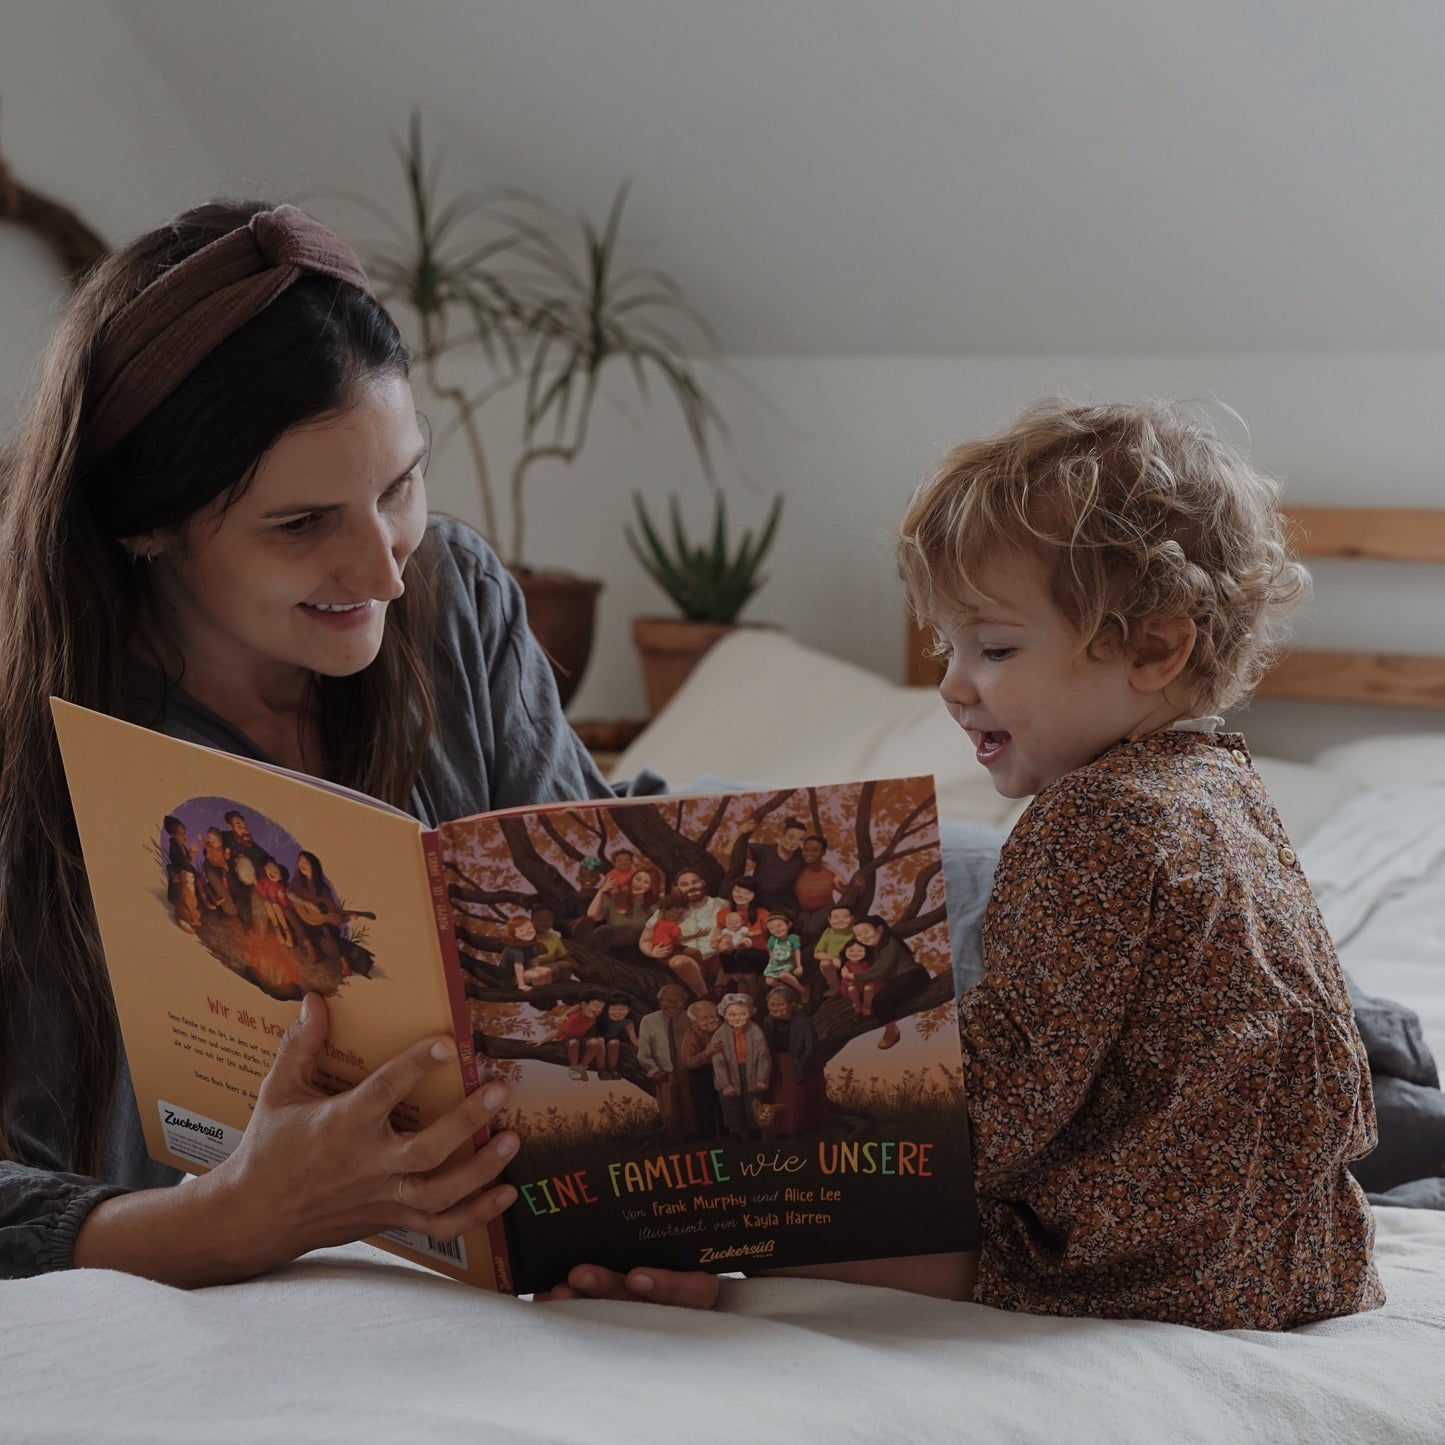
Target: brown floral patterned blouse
{"points": [[1165, 1080]]}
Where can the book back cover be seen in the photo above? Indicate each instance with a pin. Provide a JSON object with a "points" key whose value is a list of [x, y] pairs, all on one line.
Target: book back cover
{"points": [[224, 892]]}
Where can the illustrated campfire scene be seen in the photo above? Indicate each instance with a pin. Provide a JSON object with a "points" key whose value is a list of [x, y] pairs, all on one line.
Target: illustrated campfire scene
{"points": [[743, 968], [258, 901]]}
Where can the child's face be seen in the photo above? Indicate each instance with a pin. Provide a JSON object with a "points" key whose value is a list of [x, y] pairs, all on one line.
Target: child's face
{"points": [[855, 953], [778, 927], [622, 859], [1033, 704], [525, 932], [592, 1007], [541, 921], [273, 872], [734, 920], [213, 836], [676, 914], [737, 1015], [840, 920], [617, 1010], [812, 851]]}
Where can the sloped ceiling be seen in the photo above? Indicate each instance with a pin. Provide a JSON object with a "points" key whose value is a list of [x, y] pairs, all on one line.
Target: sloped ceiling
{"points": [[855, 177]]}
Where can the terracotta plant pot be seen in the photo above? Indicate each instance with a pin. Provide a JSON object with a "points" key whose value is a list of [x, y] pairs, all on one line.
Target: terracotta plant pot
{"points": [[562, 612], [670, 648]]}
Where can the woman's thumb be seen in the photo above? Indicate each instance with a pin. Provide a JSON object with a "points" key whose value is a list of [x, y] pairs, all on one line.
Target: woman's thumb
{"points": [[301, 1044]]}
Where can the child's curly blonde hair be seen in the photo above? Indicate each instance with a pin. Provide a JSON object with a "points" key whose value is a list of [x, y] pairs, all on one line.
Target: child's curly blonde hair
{"points": [[1135, 511]]}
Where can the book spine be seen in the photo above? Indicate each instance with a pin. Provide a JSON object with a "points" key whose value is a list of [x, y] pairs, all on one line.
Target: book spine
{"points": [[462, 1024]]}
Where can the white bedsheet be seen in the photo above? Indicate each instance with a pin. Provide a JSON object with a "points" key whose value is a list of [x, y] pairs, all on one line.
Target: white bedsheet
{"points": [[1377, 867], [352, 1347]]}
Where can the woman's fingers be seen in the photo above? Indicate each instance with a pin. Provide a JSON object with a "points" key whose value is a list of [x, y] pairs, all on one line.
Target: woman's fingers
{"points": [[295, 1062], [431, 1147], [379, 1093], [689, 1290], [439, 1191]]}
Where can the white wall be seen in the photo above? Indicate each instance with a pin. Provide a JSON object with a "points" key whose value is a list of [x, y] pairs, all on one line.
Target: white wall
{"points": [[87, 119], [851, 436], [87, 122]]}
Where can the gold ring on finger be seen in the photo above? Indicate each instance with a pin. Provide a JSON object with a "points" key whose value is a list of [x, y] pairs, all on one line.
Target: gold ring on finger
{"points": [[401, 1182]]}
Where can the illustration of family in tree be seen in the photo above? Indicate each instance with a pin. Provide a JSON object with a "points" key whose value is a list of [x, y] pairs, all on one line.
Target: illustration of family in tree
{"points": [[715, 953], [259, 902]]}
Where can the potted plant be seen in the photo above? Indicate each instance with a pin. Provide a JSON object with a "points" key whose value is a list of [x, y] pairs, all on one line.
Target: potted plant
{"points": [[490, 274], [709, 582]]}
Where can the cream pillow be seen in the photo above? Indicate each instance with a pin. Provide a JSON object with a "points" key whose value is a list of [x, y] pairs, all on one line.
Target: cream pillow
{"points": [[1388, 762], [762, 708]]}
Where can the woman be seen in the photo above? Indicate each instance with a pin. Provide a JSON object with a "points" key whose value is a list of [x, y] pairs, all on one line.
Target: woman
{"points": [[740, 965], [898, 976], [619, 912], [213, 522], [797, 1091]]}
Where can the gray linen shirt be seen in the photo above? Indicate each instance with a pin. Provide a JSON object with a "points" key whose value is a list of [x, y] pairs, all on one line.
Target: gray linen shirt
{"points": [[501, 741]]}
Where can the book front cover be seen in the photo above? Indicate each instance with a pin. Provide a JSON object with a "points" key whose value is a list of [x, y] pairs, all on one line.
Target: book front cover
{"points": [[225, 892], [728, 1024]]}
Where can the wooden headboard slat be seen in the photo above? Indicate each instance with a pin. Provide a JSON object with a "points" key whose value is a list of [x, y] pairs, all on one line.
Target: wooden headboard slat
{"points": [[1358, 677], [1396, 535], [1378, 534]]}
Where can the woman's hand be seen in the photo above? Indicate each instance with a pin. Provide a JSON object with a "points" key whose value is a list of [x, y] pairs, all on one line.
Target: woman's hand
{"points": [[312, 1170], [690, 1290], [315, 1169]]}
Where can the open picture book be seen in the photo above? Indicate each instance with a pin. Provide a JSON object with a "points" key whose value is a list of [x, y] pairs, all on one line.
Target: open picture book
{"points": [[727, 1021]]}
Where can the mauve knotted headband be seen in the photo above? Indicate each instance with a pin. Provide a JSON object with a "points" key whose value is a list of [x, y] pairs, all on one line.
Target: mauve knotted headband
{"points": [[160, 337]]}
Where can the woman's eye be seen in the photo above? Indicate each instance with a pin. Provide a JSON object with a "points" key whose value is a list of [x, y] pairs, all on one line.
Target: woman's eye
{"points": [[297, 525], [397, 491]]}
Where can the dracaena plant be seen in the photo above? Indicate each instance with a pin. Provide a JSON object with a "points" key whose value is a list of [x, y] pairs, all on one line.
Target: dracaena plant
{"points": [[549, 307], [711, 580]]}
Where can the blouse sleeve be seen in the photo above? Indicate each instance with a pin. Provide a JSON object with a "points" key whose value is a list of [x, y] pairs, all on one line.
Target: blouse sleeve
{"points": [[1064, 942], [41, 1212], [508, 742]]}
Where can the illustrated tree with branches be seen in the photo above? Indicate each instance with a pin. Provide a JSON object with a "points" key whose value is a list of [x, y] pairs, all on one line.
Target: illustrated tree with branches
{"points": [[883, 834]]}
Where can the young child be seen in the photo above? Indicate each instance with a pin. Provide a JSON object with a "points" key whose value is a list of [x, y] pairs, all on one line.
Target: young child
{"points": [[271, 890], [624, 865], [1165, 1083], [828, 951], [614, 1026], [858, 958], [785, 958], [667, 931], [733, 931], [578, 1030]]}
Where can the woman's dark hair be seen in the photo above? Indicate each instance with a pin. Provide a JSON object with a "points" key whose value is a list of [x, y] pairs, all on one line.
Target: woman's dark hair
{"points": [[74, 602], [319, 880]]}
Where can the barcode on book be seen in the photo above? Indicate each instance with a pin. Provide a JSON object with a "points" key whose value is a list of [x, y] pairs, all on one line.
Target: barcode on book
{"points": [[451, 1250]]}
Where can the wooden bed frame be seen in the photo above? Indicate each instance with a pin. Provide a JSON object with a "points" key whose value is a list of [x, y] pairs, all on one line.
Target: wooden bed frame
{"points": [[1374, 534]]}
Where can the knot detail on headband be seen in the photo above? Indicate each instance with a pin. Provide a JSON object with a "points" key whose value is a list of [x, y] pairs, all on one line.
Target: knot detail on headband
{"points": [[161, 336]]}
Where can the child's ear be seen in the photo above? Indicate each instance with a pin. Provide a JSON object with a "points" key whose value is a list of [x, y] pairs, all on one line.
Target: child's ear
{"points": [[1159, 650]]}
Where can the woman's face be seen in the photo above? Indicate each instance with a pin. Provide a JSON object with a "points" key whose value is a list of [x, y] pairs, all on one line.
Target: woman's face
{"points": [[867, 934], [641, 883], [297, 575], [742, 898], [303, 867]]}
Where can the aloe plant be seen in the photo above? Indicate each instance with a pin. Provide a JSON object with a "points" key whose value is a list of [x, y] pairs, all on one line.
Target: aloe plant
{"points": [[709, 581]]}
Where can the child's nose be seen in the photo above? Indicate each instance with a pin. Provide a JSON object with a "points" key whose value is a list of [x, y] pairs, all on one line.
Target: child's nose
{"points": [[955, 687]]}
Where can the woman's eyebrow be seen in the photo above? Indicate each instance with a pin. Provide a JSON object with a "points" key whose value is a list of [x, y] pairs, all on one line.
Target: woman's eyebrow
{"points": [[332, 506]]}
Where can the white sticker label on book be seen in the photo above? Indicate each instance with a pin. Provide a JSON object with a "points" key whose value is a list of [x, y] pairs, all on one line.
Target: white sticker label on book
{"points": [[453, 1251], [194, 1136]]}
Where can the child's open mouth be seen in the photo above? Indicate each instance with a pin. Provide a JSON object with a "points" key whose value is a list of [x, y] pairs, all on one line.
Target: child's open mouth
{"points": [[991, 747]]}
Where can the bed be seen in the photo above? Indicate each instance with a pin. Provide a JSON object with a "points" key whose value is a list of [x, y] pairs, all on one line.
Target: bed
{"points": [[352, 1345]]}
